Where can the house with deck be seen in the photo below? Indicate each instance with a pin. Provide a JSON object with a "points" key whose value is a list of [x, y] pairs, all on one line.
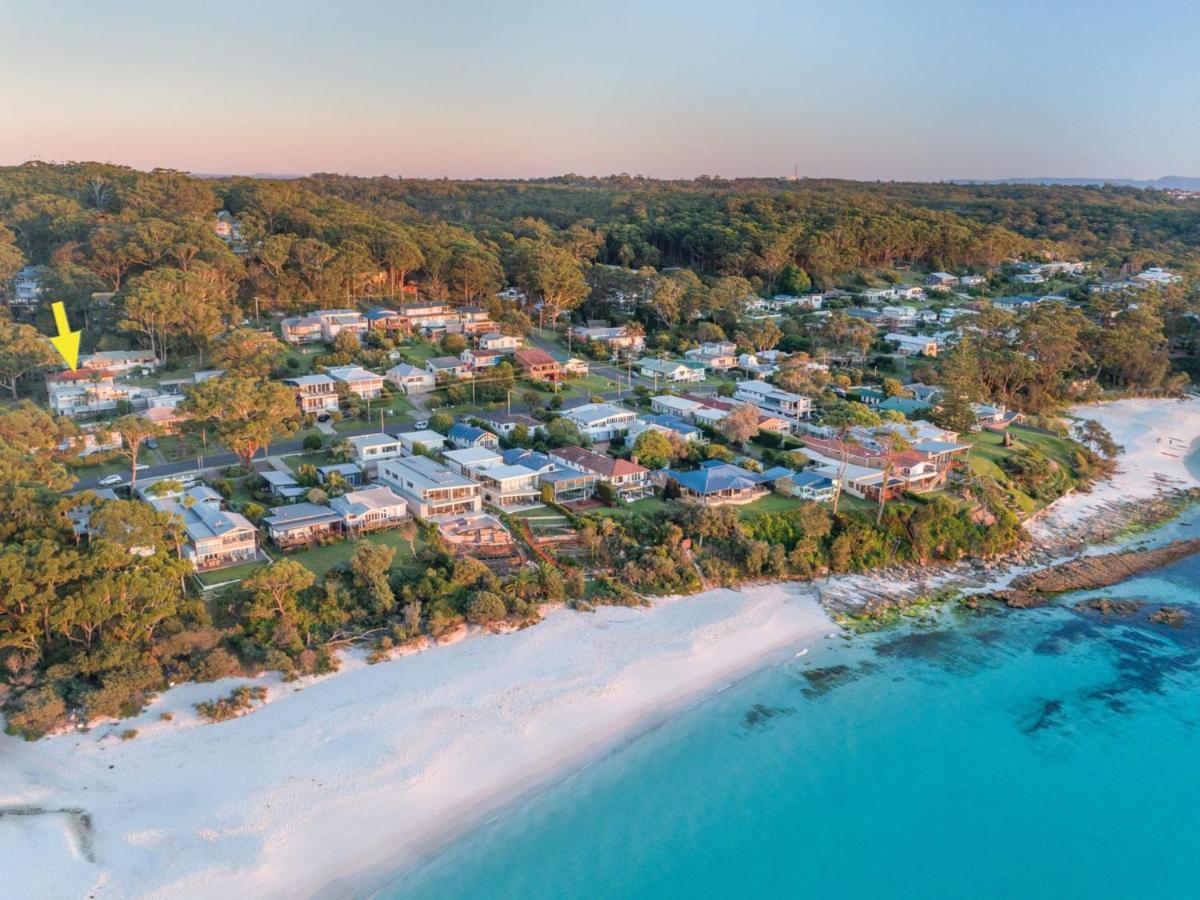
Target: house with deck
{"points": [[538, 365], [214, 537], [301, 524], [411, 379], [600, 421], [369, 509], [368, 450], [431, 489], [628, 479], [315, 394], [359, 381]]}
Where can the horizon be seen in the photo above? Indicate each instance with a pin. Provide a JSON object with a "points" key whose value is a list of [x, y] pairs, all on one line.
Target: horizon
{"points": [[1030, 180], [667, 90]]}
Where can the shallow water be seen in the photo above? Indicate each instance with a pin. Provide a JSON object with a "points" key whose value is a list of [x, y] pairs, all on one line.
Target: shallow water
{"points": [[1038, 753]]}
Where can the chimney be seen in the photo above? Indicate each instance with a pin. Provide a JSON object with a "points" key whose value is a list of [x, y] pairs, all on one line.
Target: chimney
{"points": [[633, 459]]}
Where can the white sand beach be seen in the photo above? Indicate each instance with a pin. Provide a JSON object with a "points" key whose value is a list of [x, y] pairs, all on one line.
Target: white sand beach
{"points": [[373, 766]]}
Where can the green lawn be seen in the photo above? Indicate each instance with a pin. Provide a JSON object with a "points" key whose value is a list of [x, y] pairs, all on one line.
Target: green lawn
{"points": [[233, 573], [320, 560], [314, 458], [988, 450], [647, 505], [120, 465]]}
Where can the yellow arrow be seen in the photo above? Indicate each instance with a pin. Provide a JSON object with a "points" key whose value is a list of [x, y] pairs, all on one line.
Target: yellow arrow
{"points": [[67, 342]]}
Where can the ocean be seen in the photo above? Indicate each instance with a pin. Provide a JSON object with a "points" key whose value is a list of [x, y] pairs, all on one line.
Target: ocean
{"points": [[1027, 754]]}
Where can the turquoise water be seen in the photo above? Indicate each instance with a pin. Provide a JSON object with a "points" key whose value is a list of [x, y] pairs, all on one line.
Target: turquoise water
{"points": [[1042, 753]]}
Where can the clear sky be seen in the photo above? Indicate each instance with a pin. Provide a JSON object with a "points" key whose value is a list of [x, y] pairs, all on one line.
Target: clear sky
{"points": [[891, 89]]}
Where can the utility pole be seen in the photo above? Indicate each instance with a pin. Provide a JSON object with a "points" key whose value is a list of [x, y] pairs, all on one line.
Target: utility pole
{"points": [[257, 317]]}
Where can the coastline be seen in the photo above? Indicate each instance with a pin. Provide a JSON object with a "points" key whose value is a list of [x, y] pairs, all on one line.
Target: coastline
{"points": [[339, 781]]}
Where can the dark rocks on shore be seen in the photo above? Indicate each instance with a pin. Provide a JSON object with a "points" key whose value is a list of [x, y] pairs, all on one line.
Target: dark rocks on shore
{"points": [[1109, 607], [1092, 572], [1169, 615]]}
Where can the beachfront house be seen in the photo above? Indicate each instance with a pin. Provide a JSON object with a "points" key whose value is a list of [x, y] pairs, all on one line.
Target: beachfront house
{"points": [[213, 536], [625, 477], [431, 489], [300, 524], [369, 509]]}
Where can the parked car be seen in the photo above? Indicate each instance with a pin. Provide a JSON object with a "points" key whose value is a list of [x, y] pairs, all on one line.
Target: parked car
{"points": [[324, 417], [421, 423], [109, 480], [152, 444]]}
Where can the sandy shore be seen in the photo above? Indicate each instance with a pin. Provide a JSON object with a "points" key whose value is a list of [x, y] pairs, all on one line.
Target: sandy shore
{"points": [[368, 769]]}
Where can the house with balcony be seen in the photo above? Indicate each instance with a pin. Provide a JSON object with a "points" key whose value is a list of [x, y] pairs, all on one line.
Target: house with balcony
{"points": [[941, 281], [719, 356], [84, 393], [501, 343], [315, 394], [369, 509], [475, 320], [672, 371], [301, 524], [462, 435], [568, 485], [538, 365], [773, 400], [368, 450], [430, 489], [628, 479], [361, 382], [600, 421], [443, 368], [481, 359], [574, 367], [410, 379], [717, 483], [504, 484], [213, 536], [816, 487], [298, 330], [335, 321], [385, 320]]}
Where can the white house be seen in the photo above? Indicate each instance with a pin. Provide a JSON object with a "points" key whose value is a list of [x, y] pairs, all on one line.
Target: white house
{"points": [[913, 344], [430, 440], [365, 384], [504, 343], [670, 370], [370, 509], [430, 489], [773, 400], [368, 450], [600, 421], [410, 379]]}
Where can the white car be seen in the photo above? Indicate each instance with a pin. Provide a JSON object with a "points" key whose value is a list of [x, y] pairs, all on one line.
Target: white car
{"points": [[109, 480]]}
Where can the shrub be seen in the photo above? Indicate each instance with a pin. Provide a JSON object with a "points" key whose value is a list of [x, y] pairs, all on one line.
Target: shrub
{"points": [[129, 734], [313, 442], [240, 700], [35, 712]]}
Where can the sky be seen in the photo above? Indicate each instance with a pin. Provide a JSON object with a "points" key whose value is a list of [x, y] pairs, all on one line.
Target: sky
{"points": [[867, 89]]}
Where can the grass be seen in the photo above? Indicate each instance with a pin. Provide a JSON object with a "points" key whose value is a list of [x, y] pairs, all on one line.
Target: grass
{"points": [[320, 560], [97, 470], [313, 458], [988, 452], [647, 506], [232, 573]]}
